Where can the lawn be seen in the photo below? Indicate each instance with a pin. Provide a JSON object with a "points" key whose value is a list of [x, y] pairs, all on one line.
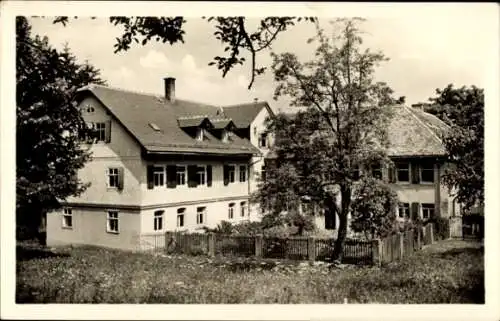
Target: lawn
{"points": [[446, 272]]}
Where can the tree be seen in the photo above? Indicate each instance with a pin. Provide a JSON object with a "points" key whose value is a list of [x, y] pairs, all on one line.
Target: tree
{"points": [[49, 126], [463, 109], [373, 208], [342, 128], [233, 33]]}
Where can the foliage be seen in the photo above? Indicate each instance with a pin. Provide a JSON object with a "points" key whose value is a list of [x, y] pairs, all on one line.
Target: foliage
{"points": [[373, 208], [463, 109], [224, 227], [49, 128], [441, 227], [445, 272], [342, 128], [234, 33]]}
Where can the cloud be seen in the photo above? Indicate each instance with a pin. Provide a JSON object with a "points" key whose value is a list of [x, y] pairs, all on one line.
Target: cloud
{"points": [[154, 60], [122, 77]]}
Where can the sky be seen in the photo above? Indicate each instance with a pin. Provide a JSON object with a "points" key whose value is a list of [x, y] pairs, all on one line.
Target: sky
{"points": [[425, 53]]}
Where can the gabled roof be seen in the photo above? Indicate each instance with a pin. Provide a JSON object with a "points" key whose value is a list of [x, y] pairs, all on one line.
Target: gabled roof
{"points": [[135, 111], [243, 114], [412, 132]]}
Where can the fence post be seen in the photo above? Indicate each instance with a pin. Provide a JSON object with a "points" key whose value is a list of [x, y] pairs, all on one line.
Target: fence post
{"points": [[431, 232], [401, 245], [211, 244], [449, 228], [311, 249], [419, 238], [259, 240], [377, 252]]}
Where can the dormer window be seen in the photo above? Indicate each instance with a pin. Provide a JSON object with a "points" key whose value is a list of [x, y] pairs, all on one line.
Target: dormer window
{"points": [[225, 136], [200, 134]]}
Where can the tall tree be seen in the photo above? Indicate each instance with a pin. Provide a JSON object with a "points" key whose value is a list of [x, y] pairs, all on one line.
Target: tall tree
{"points": [[463, 109], [319, 152], [49, 126], [236, 34]]}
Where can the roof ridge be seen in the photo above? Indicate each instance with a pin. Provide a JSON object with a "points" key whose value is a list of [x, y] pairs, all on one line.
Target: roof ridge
{"points": [[423, 123], [91, 86]]}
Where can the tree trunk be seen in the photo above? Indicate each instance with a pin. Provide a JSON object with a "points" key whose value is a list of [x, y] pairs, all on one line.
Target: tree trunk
{"points": [[338, 248]]}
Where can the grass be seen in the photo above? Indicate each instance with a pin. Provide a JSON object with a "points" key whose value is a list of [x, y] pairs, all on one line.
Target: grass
{"points": [[446, 272]]}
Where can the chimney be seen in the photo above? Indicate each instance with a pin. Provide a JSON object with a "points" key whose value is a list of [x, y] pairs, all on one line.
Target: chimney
{"points": [[170, 89]]}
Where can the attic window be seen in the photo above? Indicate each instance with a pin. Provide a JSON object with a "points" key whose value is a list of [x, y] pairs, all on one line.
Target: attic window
{"points": [[154, 126], [200, 134]]}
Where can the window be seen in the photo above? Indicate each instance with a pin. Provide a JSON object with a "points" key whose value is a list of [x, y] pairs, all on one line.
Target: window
{"points": [[154, 126], [201, 174], [403, 172], [67, 221], [263, 173], [243, 209], [181, 175], [231, 211], [159, 175], [377, 171], [231, 170], [427, 211], [200, 134], [158, 220], [180, 217], [89, 109], [255, 130], [263, 140], [112, 222], [404, 210], [427, 173], [113, 177], [100, 131], [200, 215], [243, 173]]}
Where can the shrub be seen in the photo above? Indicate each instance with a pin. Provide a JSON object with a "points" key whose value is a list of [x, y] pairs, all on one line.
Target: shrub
{"points": [[373, 208], [441, 228]]}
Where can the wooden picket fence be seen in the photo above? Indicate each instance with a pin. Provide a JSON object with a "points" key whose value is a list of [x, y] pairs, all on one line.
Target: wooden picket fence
{"points": [[392, 248]]}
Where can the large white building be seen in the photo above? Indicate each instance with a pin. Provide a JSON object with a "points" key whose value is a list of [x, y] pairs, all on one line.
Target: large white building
{"points": [[164, 164]]}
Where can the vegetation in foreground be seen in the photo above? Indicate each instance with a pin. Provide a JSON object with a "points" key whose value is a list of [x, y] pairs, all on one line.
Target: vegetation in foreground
{"points": [[446, 272]]}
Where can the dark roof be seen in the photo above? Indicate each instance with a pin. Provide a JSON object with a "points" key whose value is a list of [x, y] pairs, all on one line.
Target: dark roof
{"points": [[220, 123], [412, 132], [243, 114], [135, 111], [191, 121]]}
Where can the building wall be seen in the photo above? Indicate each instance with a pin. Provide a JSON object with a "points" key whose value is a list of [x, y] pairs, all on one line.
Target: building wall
{"points": [[90, 228], [161, 195], [121, 151], [216, 212]]}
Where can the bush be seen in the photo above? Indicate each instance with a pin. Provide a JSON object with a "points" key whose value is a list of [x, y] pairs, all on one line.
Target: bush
{"points": [[441, 228], [373, 208]]}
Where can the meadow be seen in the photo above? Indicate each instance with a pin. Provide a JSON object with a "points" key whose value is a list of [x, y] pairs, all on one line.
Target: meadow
{"points": [[450, 271]]}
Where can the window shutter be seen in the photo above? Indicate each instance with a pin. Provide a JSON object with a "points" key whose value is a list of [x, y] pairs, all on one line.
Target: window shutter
{"points": [[415, 177], [151, 183], [192, 179], [226, 175], [108, 131], [209, 175], [391, 172], [120, 178], [414, 211], [171, 176]]}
